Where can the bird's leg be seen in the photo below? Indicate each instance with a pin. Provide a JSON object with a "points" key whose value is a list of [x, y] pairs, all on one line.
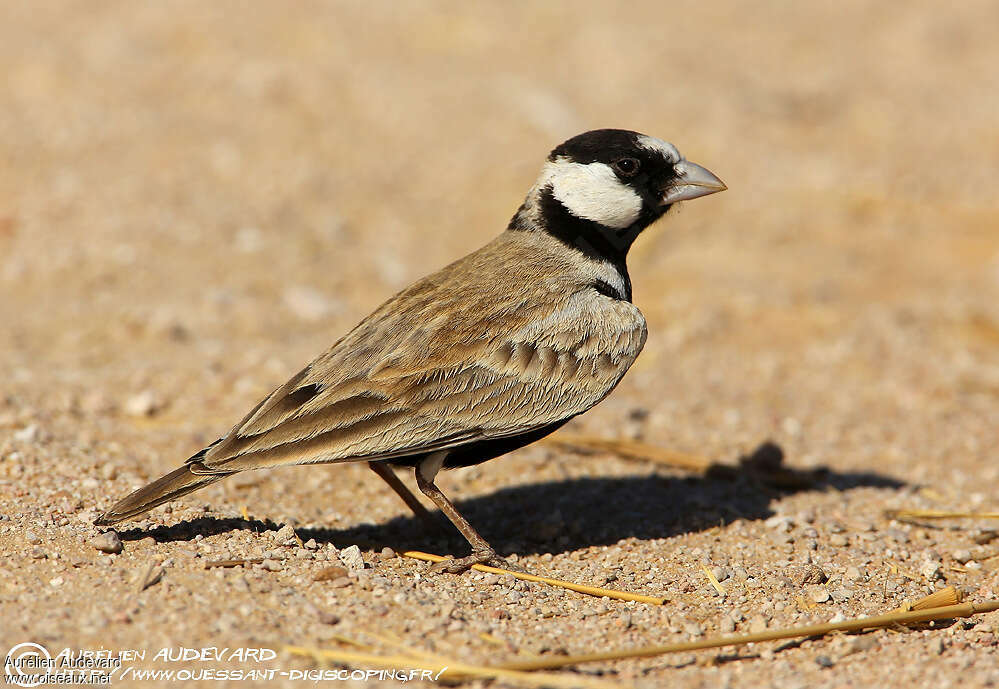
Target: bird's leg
{"points": [[387, 475], [482, 552]]}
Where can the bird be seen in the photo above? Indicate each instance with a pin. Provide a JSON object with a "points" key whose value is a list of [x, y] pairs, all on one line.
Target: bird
{"points": [[489, 354]]}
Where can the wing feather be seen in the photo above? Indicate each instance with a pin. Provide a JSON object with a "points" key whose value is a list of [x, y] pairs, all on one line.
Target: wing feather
{"points": [[431, 371]]}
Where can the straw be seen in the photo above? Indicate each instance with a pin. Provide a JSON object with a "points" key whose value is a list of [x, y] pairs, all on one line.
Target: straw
{"points": [[579, 588], [630, 449], [450, 670], [879, 621]]}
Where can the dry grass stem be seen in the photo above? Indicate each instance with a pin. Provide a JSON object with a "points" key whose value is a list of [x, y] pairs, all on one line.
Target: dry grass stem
{"points": [[938, 599], [714, 581], [630, 449], [150, 577], [891, 619], [449, 670], [233, 563], [905, 515], [579, 588]]}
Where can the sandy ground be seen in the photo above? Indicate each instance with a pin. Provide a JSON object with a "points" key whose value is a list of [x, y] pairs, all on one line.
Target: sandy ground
{"points": [[197, 198]]}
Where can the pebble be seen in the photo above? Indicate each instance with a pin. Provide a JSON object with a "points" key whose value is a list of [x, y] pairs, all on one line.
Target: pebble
{"points": [[824, 661], [351, 556], [727, 625], [284, 534], [326, 617], [311, 544], [838, 540], [758, 624], [108, 542], [330, 573], [931, 570], [853, 573], [38, 554], [272, 565], [693, 629], [818, 594], [962, 556], [144, 403], [28, 434], [780, 523], [813, 574], [33, 538]]}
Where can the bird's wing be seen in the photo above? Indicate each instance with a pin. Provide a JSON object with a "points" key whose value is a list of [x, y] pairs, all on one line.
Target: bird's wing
{"points": [[427, 373]]}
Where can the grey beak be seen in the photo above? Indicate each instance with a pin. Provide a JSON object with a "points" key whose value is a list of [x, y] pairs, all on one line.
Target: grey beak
{"points": [[695, 181]]}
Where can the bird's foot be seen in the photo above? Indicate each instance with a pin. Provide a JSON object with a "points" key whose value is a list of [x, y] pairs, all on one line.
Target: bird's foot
{"points": [[478, 557]]}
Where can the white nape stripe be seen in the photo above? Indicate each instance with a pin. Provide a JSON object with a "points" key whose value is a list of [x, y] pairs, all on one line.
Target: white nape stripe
{"points": [[667, 149], [592, 192]]}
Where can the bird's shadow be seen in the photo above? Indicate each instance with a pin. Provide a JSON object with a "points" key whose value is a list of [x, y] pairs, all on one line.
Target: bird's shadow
{"points": [[560, 516]]}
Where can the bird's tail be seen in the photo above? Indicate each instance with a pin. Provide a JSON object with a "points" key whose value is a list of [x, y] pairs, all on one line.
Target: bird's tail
{"points": [[170, 487]]}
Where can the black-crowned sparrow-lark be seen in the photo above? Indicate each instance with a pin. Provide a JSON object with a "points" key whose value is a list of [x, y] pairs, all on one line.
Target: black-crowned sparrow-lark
{"points": [[491, 353]]}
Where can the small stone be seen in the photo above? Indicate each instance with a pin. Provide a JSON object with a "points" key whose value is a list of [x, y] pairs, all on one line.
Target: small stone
{"points": [[824, 661], [896, 535], [38, 554], [272, 565], [693, 629], [818, 594], [326, 617], [387, 553], [838, 617], [721, 574], [329, 574], [284, 534], [962, 556], [307, 303], [351, 556], [144, 403], [342, 582], [780, 523], [32, 538], [838, 540], [109, 472], [311, 544], [108, 542], [758, 624], [813, 574], [727, 625], [853, 573], [28, 434], [931, 570]]}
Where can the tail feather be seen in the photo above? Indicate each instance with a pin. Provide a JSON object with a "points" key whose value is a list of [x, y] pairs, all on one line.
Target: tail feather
{"points": [[170, 487]]}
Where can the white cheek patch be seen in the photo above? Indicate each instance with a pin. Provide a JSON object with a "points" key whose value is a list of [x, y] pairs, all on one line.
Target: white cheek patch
{"points": [[593, 192], [665, 148]]}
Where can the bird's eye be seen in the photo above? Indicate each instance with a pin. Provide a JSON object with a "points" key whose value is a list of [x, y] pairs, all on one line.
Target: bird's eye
{"points": [[627, 166]]}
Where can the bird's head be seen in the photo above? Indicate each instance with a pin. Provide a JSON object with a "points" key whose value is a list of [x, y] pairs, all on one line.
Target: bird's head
{"points": [[609, 185]]}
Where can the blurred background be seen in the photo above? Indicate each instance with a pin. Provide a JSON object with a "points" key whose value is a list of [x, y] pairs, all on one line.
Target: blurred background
{"points": [[195, 198]]}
